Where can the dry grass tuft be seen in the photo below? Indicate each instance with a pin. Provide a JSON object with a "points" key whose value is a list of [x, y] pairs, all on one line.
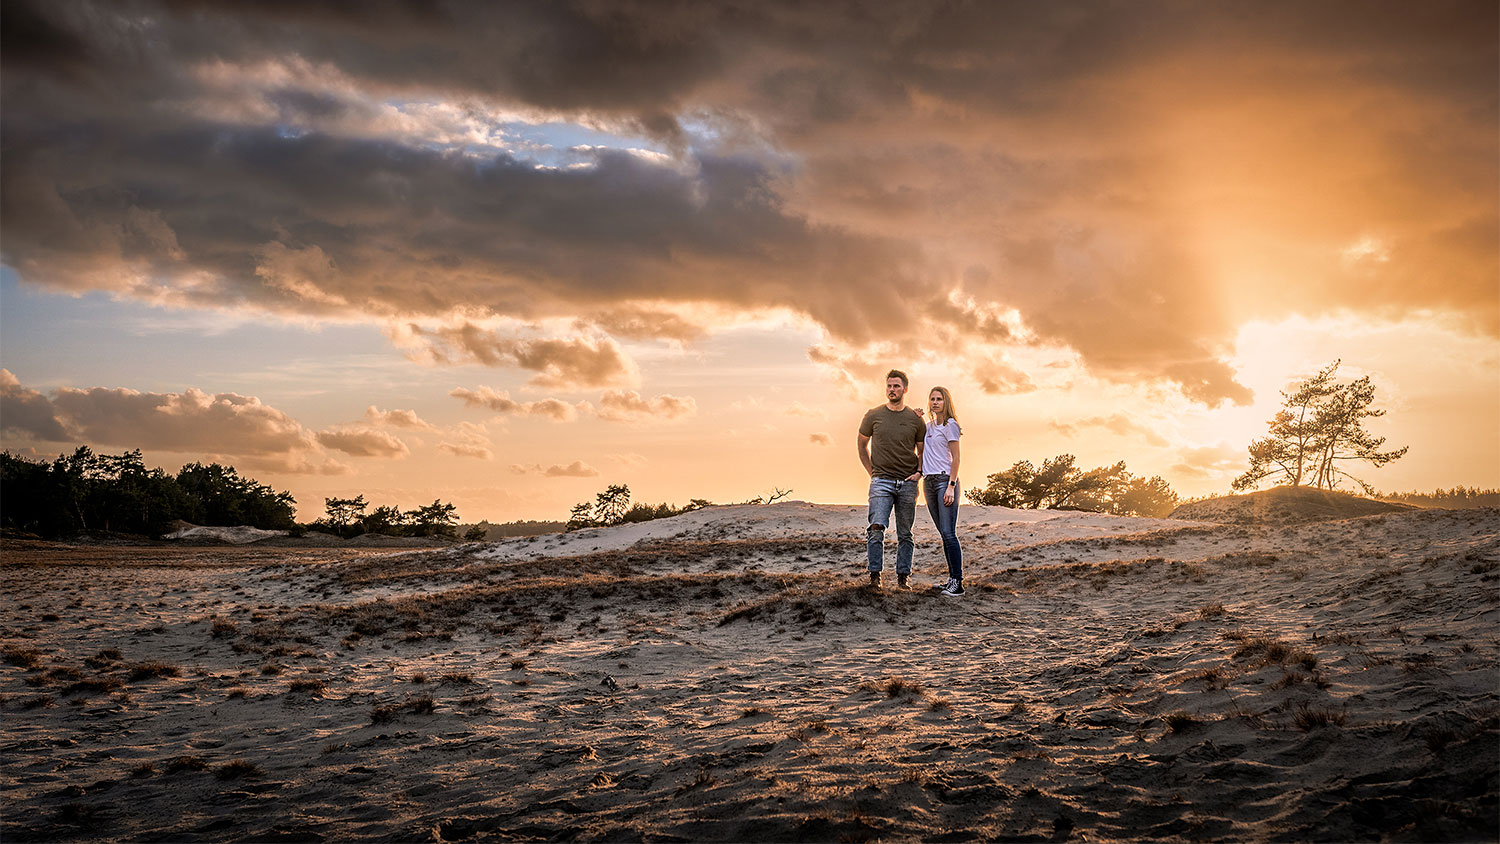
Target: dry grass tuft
{"points": [[420, 705], [237, 769], [92, 686], [143, 770], [308, 685], [187, 763], [152, 670], [27, 658], [1263, 650], [703, 780], [893, 687], [103, 659], [1207, 611], [1308, 718], [1179, 722]]}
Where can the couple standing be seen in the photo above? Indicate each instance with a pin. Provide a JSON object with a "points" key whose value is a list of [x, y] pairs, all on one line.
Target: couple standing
{"points": [[897, 449]]}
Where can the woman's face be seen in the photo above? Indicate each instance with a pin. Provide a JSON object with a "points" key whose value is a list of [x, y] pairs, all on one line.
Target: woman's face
{"points": [[935, 402]]}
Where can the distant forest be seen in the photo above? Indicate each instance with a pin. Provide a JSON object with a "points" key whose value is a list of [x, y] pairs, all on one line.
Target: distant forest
{"points": [[84, 491], [1457, 498], [87, 492]]}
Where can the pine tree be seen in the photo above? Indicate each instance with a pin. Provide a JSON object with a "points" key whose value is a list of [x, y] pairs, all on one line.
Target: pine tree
{"points": [[1319, 425]]}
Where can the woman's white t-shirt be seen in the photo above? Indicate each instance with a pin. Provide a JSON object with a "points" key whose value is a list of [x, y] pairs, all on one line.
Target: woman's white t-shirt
{"points": [[936, 460]]}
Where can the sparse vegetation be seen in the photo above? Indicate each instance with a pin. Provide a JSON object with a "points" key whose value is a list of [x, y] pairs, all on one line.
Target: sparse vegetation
{"points": [[237, 769], [152, 670], [1060, 485], [1179, 721], [420, 705], [186, 763], [27, 658], [308, 685], [1308, 718]]}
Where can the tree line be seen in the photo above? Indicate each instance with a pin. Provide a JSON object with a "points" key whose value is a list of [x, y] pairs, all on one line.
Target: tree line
{"points": [[116, 493], [346, 517], [1059, 484], [86, 491], [1457, 498]]}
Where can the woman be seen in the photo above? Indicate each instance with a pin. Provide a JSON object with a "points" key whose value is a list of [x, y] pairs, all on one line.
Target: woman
{"points": [[940, 480]]}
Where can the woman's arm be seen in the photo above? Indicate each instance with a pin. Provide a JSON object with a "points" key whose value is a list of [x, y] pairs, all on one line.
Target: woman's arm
{"points": [[948, 494]]}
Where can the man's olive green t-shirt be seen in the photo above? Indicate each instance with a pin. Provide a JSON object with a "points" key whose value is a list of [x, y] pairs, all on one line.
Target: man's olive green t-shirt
{"points": [[894, 434]]}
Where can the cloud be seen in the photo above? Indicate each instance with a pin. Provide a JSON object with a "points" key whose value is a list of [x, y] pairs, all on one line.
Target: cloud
{"points": [[820, 438], [565, 363], [466, 450], [636, 323], [397, 419], [28, 412], [190, 420], [1132, 185], [997, 377], [1210, 462], [222, 426], [629, 406], [501, 402], [363, 442], [473, 441], [1116, 423], [576, 469]]}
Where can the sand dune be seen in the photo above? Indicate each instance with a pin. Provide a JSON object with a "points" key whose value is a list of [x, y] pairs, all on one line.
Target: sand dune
{"points": [[721, 675]]}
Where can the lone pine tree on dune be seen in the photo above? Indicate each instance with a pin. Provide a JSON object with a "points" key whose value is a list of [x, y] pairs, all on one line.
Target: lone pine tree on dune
{"points": [[1319, 427]]}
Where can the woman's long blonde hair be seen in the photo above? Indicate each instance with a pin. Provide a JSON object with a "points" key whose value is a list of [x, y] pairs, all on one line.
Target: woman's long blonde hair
{"points": [[948, 412]]}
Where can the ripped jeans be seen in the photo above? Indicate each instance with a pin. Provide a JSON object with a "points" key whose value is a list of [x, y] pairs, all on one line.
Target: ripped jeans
{"points": [[887, 495]]}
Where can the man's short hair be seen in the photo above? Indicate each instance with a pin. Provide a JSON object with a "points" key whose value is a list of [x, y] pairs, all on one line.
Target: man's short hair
{"points": [[896, 373]]}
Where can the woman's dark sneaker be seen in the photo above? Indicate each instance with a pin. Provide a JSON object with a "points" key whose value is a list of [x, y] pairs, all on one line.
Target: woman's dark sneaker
{"points": [[953, 589]]}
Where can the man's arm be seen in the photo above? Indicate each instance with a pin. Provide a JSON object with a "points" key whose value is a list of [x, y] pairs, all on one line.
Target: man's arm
{"points": [[921, 443], [864, 455]]}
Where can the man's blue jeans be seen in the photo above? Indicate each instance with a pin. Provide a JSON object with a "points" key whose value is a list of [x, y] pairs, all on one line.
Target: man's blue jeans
{"points": [[945, 518], [887, 495]]}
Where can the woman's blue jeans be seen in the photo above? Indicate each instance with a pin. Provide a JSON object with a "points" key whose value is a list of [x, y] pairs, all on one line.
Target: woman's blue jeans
{"points": [[945, 517]]}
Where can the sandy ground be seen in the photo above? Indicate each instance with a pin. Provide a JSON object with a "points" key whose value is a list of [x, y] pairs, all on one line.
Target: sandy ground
{"points": [[722, 675]]}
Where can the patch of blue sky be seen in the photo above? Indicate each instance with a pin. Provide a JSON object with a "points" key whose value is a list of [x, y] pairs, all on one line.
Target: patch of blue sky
{"points": [[50, 340], [554, 143]]}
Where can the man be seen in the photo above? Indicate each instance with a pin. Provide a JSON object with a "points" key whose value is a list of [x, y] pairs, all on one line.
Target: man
{"points": [[890, 447]]}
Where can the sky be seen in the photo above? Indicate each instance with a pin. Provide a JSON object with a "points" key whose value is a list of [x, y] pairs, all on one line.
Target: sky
{"points": [[506, 254]]}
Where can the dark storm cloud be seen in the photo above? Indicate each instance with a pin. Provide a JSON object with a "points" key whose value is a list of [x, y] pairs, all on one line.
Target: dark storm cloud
{"points": [[1135, 180]]}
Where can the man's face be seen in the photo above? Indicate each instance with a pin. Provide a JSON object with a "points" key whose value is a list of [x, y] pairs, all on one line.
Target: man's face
{"points": [[894, 390]]}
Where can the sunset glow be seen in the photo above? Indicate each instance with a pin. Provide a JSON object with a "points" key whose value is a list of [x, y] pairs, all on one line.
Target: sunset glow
{"points": [[504, 255]]}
